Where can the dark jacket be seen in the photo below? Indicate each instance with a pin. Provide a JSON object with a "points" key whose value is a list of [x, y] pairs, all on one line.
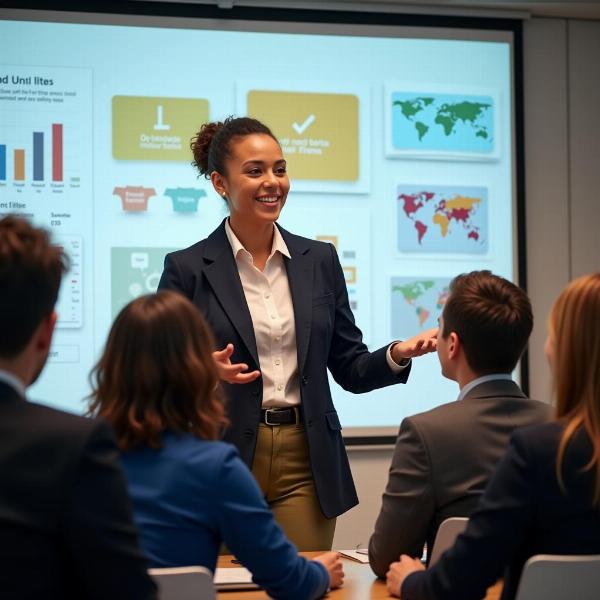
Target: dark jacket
{"points": [[65, 517], [442, 462], [523, 512], [326, 337]]}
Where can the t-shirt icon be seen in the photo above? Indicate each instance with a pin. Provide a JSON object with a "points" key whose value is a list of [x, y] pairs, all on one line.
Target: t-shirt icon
{"points": [[185, 200], [134, 199]]}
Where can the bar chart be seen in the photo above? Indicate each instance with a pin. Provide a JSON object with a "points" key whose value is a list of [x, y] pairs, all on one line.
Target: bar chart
{"points": [[45, 133], [40, 160]]}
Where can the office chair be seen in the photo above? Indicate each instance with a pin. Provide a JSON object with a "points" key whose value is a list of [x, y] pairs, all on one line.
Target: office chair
{"points": [[184, 583], [558, 577], [447, 532]]}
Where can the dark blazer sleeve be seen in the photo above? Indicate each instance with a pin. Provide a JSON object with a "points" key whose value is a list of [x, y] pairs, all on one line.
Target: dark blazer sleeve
{"points": [[408, 503], [496, 530], [352, 365], [98, 527]]}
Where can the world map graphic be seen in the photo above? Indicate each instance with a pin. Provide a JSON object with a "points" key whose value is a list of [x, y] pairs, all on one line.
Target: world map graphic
{"points": [[442, 122], [416, 304], [450, 219]]}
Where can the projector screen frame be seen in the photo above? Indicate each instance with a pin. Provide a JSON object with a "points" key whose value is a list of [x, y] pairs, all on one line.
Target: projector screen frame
{"points": [[96, 12]]}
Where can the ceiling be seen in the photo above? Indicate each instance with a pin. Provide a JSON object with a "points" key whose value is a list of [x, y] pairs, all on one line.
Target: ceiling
{"points": [[576, 9], [552, 8]]}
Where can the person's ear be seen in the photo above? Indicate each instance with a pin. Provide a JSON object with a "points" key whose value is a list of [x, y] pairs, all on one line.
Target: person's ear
{"points": [[454, 346], [219, 184], [45, 332]]}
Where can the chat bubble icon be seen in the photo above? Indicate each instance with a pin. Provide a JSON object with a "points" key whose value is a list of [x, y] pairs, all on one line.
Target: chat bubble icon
{"points": [[135, 290], [140, 260]]}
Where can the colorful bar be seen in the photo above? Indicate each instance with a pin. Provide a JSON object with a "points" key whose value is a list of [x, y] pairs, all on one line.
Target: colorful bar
{"points": [[57, 152], [2, 162], [38, 156], [19, 165]]}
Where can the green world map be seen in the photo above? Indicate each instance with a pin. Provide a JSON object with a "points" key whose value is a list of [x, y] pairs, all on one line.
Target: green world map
{"points": [[447, 115]]}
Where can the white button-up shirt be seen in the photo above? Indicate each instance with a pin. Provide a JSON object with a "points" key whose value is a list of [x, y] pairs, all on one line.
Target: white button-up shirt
{"points": [[270, 303]]}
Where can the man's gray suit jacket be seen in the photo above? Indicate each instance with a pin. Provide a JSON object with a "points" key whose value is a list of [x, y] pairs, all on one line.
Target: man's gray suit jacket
{"points": [[441, 465]]}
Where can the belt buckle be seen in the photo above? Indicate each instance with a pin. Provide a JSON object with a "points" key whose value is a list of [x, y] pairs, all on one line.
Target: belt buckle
{"points": [[267, 418]]}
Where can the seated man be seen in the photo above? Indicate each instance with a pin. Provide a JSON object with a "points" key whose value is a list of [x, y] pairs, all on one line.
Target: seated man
{"points": [[65, 518], [444, 457]]}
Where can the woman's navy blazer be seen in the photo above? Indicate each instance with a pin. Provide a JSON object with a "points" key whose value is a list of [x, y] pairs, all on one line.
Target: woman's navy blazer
{"points": [[326, 337]]}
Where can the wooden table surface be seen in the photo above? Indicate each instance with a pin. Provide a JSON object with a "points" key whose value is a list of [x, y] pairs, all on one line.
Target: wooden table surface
{"points": [[359, 584]]}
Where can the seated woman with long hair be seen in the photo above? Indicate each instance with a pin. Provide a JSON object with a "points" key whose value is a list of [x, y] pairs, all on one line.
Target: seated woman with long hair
{"points": [[157, 384], [544, 497]]}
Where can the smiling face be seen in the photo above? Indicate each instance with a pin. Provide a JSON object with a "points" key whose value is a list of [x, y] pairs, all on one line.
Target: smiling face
{"points": [[256, 183]]}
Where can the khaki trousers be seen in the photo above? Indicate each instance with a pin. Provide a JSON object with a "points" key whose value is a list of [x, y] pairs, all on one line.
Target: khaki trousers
{"points": [[282, 468]]}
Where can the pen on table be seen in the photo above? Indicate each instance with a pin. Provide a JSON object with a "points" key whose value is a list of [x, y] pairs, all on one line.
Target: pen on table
{"points": [[235, 561]]}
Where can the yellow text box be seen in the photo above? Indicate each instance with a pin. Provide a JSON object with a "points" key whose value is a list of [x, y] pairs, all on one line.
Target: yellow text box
{"points": [[318, 132], [147, 128]]}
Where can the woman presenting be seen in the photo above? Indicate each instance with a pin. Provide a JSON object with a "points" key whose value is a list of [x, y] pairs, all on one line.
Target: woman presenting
{"points": [[278, 306]]}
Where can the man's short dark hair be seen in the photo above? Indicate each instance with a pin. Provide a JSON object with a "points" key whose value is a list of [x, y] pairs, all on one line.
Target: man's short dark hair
{"points": [[31, 269], [493, 319]]}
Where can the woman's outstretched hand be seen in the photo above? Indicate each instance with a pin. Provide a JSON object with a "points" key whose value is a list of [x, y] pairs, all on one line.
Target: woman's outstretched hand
{"points": [[420, 344], [230, 372]]}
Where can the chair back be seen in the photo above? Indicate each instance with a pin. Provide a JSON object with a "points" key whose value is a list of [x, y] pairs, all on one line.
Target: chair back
{"points": [[184, 583], [557, 577], [447, 532]]}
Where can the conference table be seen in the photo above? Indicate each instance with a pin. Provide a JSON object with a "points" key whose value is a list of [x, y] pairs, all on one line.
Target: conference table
{"points": [[359, 584]]}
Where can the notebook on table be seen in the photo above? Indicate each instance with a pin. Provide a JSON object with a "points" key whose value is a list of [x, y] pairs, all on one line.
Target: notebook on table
{"points": [[234, 578]]}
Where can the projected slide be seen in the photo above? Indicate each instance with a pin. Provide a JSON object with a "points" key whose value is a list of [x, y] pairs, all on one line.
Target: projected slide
{"points": [[399, 153]]}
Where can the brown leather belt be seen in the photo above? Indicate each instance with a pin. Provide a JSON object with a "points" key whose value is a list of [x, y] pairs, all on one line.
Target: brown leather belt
{"points": [[281, 416]]}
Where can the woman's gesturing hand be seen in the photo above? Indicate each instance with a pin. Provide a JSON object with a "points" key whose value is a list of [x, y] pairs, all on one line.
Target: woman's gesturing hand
{"points": [[420, 344], [230, 372]]}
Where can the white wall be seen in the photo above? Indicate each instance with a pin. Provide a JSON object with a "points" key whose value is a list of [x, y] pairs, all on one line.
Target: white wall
{"points": [[562, 162]]}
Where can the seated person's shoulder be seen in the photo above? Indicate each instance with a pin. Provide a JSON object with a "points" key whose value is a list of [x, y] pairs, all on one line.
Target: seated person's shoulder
{"points": [[541, 439], [60, 441], [46, 421], [436, 421], [196, 454]]}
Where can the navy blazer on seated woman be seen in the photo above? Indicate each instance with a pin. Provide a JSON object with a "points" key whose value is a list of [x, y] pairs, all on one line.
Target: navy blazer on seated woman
{"points": [[523, 512], [191, 495]]}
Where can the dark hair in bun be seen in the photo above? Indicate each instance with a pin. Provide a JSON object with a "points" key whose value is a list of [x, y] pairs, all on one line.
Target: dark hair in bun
{"points": [[211, 146]]}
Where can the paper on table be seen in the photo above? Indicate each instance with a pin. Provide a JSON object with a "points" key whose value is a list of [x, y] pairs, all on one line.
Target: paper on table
{"points": [[237, 578], [354, 555]]}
